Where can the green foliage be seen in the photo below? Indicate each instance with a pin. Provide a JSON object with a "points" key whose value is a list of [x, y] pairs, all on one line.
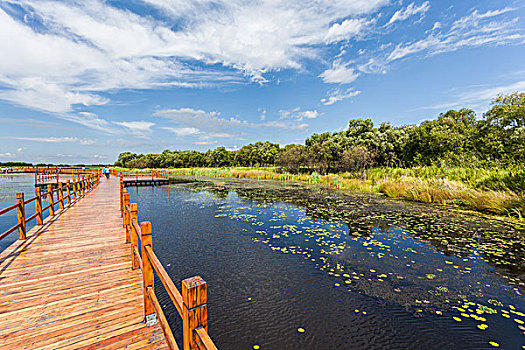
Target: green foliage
{"points": [[456, 146]]}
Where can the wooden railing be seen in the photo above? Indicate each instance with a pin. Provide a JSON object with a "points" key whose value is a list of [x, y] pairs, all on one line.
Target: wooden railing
{"points": [[74, 189], [137, 174], [191, 304], [43, 175]]}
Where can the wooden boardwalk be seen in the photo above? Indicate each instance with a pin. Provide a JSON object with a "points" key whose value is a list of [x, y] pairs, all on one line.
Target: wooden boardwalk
{"points": [[69, 285]]}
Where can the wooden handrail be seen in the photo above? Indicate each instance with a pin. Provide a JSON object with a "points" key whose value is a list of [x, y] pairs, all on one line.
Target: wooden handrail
{"points": [[173, 292], [5, 210], [203, 340], [191, 304], [81, 187], [9, 231], [168, 335]]}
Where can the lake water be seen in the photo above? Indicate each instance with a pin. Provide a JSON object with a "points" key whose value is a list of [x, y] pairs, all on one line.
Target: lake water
{"points": [[353, 270], [10, 184]]}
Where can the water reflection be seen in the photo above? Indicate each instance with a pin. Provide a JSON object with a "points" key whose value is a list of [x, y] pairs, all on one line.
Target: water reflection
{"points": [[367, 261]]}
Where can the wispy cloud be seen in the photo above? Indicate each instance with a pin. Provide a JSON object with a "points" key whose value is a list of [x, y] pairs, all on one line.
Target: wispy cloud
{"points": [[477, 98], [7, 155], [475, 29], [409, 11], [68, 54], [82, 141], [141, 128], [337, 95]]}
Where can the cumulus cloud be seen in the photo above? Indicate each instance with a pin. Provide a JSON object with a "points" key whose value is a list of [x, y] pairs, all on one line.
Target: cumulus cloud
{"points": [[338, 95], [340, 73], [70, 53], [7, 155], [298, 115]]}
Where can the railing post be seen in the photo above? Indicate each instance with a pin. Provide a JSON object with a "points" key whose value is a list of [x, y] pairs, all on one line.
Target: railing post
{"points": [[61, 195], [38, 206], [83, 185], [194, 311], [21, 215], [50, 197], [74, 189], [134, 238], [68, 187], [147, 273], [126, 216], [121, 194]]}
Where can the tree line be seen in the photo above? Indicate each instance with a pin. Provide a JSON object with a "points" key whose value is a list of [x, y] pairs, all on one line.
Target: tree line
{"points": [[455, 138]]}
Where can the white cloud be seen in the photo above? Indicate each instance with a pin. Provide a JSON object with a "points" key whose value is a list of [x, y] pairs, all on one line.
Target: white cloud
{"points": [[478, 98], [298, 115], [82, 141], [475, 29], [140, 128], [409, 11], [346, 29], [339, 73], [338, 95], [91, 120], [182, 131], [7, 155], [82, 49]]}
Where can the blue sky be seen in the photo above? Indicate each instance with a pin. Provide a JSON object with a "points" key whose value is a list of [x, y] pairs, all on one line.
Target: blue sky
{"points": [[82, 81]]}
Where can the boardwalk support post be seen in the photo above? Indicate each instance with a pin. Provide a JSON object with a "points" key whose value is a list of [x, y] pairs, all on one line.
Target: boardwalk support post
{"points": [[194, 311], [50, 197], [134, 237], [38, 207], [147, 273], [21, 215], [61, 195], [68, 186]]}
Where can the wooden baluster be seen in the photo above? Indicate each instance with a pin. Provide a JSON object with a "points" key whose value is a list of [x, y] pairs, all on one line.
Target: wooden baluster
{"points": [[38, 206], [74, 189], [126, 217], [121, 194], [68, 188], [124, 192], [83, 186], [36, 176], [134, 237], [57, 175], [50, 197], [147, 272], [21, 215], [194, 311], [61, 195]]}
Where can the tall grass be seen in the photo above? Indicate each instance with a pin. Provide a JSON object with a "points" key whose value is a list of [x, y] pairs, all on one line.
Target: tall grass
{"points": [[495, 191]]}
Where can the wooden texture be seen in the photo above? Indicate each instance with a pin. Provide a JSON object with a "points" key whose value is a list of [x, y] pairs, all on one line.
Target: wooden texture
{"points": [[203, 339], [168, 335], [21, 216], [69, 285], [50, 197], [38, 206], [147, 269], [173, 292], [195, 310]]}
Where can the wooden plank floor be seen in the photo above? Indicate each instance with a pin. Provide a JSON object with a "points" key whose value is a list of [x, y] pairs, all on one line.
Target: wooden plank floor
{"points": [[70, 284]]}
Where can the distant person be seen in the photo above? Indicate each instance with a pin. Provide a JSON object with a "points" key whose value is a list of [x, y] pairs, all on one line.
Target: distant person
{"points": [[106, 172]]}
